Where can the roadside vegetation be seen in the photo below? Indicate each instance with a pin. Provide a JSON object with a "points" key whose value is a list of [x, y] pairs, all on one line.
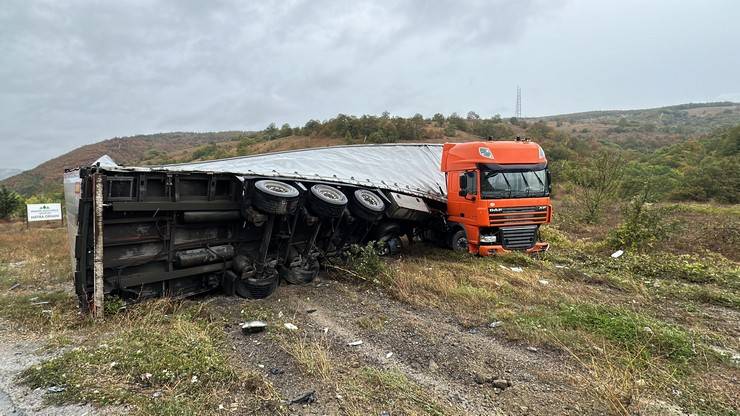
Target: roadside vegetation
{"points": [[648, 325], [641, 287]]}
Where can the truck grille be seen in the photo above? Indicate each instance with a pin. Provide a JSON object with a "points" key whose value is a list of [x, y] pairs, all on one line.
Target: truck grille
{"points": [[519, 215], [519, 238]]}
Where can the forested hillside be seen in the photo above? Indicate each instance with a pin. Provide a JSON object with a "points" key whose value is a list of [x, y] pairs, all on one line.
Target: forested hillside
{"points": [[685, 152]]}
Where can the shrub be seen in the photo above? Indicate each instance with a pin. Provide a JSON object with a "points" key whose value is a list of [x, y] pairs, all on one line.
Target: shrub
{"points": [[643, 228], [9, 202]]}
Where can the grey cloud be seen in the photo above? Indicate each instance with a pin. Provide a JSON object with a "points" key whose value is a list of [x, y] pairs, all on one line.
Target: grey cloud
{"points": [[74, 72]]}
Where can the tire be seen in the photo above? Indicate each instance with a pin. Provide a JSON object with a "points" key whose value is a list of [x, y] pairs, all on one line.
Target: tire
{"points": [[299, 275], [391, 245], [459, 241], [256, 288], [367, 205], [326, 201], [275, 197]]}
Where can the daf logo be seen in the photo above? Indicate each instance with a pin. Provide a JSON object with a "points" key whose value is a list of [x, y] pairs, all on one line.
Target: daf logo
{"points": [[485, 152]]}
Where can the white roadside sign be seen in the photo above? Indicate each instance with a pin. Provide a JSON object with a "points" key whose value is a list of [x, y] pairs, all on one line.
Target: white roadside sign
{"points": [[44, 212]]}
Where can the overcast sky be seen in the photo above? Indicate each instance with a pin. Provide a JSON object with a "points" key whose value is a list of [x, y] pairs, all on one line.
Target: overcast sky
{"points": [[76, 72]]}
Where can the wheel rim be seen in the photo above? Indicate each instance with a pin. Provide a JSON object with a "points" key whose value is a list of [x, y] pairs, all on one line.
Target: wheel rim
{"points": [[277, 187], [329, 195], [461, 243], [369, 200]]}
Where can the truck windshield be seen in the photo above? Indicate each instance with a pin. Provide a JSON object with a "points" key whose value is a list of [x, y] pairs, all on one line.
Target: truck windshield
{"points": [[514, 184]]}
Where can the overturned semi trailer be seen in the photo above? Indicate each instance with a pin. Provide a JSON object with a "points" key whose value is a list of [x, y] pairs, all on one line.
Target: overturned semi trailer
{"points": [[243, 224]]}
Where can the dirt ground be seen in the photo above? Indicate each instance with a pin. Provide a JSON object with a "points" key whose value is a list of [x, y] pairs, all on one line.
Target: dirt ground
{"points": [[452, 363]]}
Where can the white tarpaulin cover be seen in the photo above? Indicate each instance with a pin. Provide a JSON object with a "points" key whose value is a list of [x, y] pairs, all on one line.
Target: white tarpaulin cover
{"points": [[408, 168]]}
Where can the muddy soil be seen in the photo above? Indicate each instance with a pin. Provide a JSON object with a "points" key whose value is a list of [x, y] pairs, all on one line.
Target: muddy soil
{"points": [[453, 363]]}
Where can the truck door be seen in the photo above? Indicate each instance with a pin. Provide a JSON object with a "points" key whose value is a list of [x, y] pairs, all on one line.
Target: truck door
{"points": [[462, 200]]}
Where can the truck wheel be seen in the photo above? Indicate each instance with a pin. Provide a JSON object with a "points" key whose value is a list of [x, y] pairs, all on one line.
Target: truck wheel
{"points": [[275, 197], [367, 205], [459, 241], [256, 288], [326, 201], [390, 245], [298, 275]]}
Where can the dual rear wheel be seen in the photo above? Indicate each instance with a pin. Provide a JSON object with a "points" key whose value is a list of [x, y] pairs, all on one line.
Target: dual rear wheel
{"points": [[326, 202]]}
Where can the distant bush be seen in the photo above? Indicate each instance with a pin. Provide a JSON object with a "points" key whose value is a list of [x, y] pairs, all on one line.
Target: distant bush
{"points": [[9, 202], [597, 183], [644, 226], [209, 151]]}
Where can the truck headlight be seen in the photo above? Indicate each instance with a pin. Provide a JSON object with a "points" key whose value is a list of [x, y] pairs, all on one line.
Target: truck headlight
{"points": [[488, 239]]}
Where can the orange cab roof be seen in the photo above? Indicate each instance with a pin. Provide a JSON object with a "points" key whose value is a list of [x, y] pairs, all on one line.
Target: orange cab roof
{"points": [[461, 156]]}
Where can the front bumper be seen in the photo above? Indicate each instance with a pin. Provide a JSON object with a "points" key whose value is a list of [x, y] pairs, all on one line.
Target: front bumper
{"points": [[499, 249]]}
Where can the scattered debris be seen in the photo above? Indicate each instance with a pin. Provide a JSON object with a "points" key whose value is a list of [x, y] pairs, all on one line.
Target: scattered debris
{"points": [[501, 383], [56, 389], [252, 327], [290, 326], [433, 366], [495, 324], [40, 303], [193, 379], [560, 266], [312, 310], [15, 286], [648, 330], [503, 267], [532, 349], [617, 254], [326, 329], [145, 376], [354, 343], [275, 371], [157, 394], [389, 355], [481, 379], [306, 398], [261, 365], [544, 282], [516, 269]]}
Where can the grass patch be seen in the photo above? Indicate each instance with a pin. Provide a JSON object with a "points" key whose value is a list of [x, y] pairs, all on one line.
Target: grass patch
{"points": [[390, 391], [632, 331], [159, 363], [311, 356], [39, 311], [372, 323], [365, 390]]}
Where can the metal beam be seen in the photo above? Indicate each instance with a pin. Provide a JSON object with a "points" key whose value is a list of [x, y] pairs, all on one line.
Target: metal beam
{"points": [[176, 206], [98, 246]]}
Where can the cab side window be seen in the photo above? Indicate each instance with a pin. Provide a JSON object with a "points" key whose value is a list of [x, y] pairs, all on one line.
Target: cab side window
{"points": [[468, 183]]}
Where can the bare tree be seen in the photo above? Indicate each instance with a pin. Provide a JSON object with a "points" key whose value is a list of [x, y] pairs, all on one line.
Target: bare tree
{"points": [[598, 183]]}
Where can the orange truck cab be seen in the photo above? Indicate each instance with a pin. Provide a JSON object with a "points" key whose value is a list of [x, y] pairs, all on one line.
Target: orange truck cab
{"points": [[498, 194]]}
